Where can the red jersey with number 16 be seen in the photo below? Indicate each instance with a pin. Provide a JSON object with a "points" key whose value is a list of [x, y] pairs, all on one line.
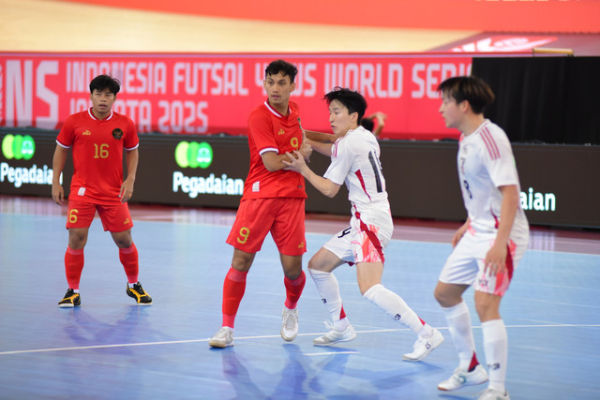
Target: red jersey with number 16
{"points": [[97, 147], [268, 130]]}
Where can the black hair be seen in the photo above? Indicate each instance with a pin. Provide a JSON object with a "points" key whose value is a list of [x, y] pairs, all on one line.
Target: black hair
{"points": [[353, 101], [368, 124], [469, 88], [282, 66], [102, 82]]}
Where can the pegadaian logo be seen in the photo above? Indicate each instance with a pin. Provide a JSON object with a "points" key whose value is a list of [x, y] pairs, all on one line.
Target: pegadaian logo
{"points": [[18, 147], [193, 154]]}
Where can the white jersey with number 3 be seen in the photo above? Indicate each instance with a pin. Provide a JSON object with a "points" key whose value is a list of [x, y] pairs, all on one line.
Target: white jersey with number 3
{"points": [[485, 162]]}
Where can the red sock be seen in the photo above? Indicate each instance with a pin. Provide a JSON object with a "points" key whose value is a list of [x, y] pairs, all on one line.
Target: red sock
{"points": [[129, 259], [233, 291], [293, 290], [73, 267]]}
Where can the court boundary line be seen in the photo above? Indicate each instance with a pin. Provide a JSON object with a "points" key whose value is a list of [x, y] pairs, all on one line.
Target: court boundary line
{"points": [[111, 346]]}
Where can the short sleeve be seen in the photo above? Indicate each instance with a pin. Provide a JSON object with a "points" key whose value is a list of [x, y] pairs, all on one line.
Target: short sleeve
{"points": [[260, 131], [66, 134], [341, 161], [499, 160], [132, 140]]}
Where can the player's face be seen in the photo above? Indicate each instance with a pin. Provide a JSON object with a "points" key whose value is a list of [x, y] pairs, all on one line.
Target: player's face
{"points": [[451, 111], [279, 88], [102, 101], [340, 118]]}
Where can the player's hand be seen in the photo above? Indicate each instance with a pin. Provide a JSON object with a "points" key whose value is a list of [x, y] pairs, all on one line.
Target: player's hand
{"points": [[295, 162], [126, 190], [306, 150], [58, 194], [460, 232], [495, 260]]}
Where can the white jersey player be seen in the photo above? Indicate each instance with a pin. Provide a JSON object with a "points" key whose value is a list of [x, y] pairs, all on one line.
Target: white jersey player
{"points": [[355, 162], [488, 246]]}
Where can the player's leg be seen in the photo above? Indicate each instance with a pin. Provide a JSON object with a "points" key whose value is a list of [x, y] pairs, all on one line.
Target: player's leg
{"points": [[117, 220], [289, 236], [334, 253], [252, 223], [489, 291], [294, 281], [79, 219], [369, 282], [234, 287], [458, 273]]}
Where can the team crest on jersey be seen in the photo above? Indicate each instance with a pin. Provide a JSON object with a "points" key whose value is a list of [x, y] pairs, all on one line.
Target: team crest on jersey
{"points": [[281, 132], [87, 133], [117, 133]]}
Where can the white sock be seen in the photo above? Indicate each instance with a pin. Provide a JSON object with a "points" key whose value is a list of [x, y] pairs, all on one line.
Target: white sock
{"points": [[393, 304], [329, 290], [495, 345], [459, 326]]}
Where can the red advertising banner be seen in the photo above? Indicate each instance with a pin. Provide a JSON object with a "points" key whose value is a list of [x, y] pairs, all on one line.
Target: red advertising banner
{"points": [[214, 93]]}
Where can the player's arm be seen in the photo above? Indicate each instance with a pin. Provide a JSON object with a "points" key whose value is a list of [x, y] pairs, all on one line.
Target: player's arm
{"points": [[380, 117], [296, 163], [132, 158], [320, 136], [495, 259], [273, 161], [320, 147], [460, 232], [58, 165]]}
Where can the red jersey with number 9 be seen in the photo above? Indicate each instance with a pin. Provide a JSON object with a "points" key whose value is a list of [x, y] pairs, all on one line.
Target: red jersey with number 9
{"points": [[97, 147], [268, 130]]}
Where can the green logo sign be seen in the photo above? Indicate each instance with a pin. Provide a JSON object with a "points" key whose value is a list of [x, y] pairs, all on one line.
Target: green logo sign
{"points": [[193, 154], [18, 147]]}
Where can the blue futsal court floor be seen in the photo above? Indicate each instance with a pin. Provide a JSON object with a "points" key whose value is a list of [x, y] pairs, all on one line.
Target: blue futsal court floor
{"points": [[110, 348]]}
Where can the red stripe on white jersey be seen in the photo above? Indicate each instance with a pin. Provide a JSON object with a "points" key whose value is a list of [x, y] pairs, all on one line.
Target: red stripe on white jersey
{"points": [[362, 183], [490, 144]]}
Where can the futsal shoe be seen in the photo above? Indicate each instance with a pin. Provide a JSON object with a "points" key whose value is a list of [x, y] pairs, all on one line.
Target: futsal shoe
{"points": [[424, 345], [289, 324], [335, 336], [223, 338], [70, 300], [461, 378], [139, 294], [492, 394]]}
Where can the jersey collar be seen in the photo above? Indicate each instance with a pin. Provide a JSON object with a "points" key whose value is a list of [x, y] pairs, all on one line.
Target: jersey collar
{"points": [[274, 111], [92, 116]]}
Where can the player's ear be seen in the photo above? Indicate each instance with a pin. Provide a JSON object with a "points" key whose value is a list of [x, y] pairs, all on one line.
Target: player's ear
{"points": [[293, 86]]}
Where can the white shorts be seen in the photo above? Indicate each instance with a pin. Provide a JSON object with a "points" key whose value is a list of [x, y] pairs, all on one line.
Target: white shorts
{"points": [[364, 240], [465, 265]]}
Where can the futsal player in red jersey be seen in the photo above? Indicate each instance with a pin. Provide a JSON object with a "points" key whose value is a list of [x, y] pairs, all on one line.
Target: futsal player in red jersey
{"points": [[273, 201], [97, 138]]}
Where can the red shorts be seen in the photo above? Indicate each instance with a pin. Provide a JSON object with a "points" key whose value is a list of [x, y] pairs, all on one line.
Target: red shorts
{"points": [[283, 217], [115, 218]]}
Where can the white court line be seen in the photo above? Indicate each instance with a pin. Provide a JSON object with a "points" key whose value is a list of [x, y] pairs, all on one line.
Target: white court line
{"points": [[110, 346]]}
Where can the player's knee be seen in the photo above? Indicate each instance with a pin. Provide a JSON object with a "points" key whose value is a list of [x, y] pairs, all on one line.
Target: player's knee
{"points": [[77, 240], [444, 297]]}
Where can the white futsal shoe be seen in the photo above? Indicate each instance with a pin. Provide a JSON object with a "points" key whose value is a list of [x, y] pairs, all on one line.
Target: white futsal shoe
{"points": [[289, 324], [461, 378], [335, 336], [492, 394], [223, 338], [424, 345]]}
